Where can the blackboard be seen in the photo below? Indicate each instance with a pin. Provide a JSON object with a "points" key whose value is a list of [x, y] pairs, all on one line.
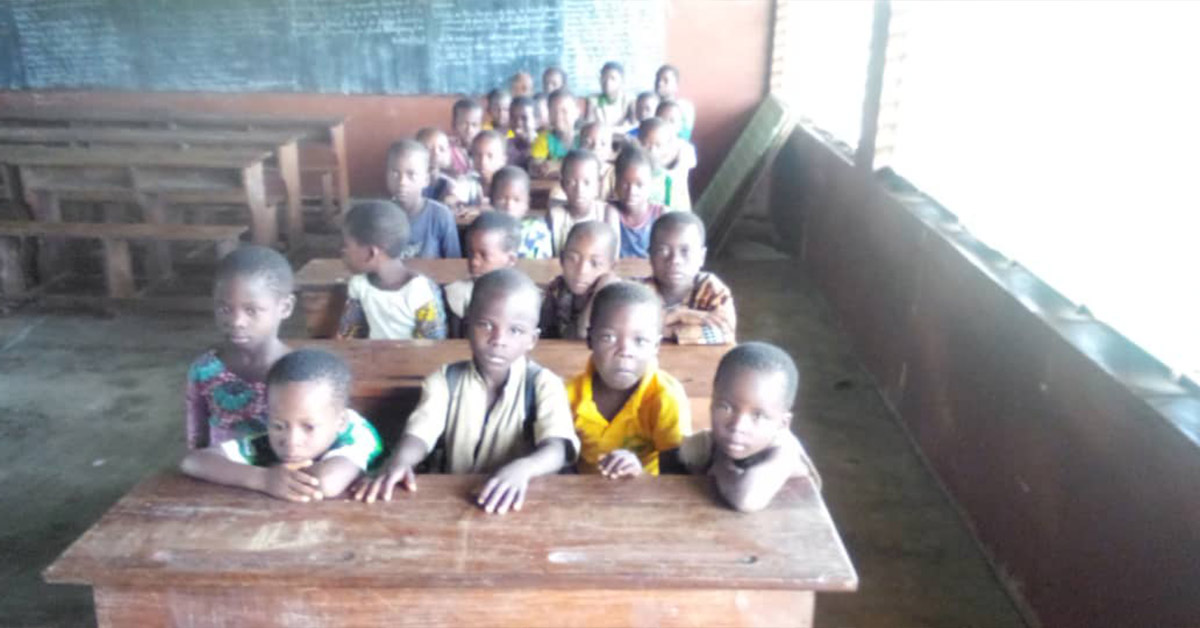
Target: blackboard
{"points": [[323, 46]]}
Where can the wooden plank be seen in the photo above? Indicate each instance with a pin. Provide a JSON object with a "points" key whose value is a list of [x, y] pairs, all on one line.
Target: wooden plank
{"points": [[315, 127], [288, 156], [178, 138], [264, 222], [123, 231], [326, 273], [35, 155], [118, 269]]}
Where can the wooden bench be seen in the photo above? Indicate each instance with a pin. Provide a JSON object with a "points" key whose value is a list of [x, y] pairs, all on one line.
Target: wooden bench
{"points": [[321, 283], [118, 265], [584, 551]]}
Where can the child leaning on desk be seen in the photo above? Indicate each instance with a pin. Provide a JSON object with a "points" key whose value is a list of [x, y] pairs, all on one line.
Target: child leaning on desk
{"points": [[498, 413]]}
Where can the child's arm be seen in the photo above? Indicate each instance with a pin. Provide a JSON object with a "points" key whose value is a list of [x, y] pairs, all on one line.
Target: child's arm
{"points": [[698, 327], [507, 487], [335, 475], [620, 463], [449, 238], [354, 321], [196, 417], [279, 481], [752, 489], [397, 470]]}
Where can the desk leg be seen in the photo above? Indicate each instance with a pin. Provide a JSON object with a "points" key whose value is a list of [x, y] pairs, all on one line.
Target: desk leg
{"points": [[155, 209], [12, 271], [322, 311], [264, 224], [289, 169], [337, 138], [46, 208], [118, 269]]}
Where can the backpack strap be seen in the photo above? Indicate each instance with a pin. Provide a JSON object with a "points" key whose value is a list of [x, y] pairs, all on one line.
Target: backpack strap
{"points": [[454, 374], [532, 370]]}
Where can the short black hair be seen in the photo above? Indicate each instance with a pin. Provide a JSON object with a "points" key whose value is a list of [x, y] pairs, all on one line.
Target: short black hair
{"points": [[312, 365], [555, 70], [665, 69], [650, 125], [428, 132], [676, 220], [463, 105], [629, 157], [592, 228], [497, 94], [620, 294], [509, 174], [490, 221], [559, 94], [379, 223], [760, 357], [579, 156], [521, 101], [613, 65], [257, 261], [647, 96], [665, 104], [405, 147], [504, 283], [490, 135]]}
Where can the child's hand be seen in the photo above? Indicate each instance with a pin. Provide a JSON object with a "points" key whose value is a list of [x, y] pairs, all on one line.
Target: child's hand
{"points": [[506, 489], [292, 484], [368, 488], [621, 463]]}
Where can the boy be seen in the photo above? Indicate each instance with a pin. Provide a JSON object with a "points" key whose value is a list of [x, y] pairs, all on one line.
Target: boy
{"points": [[636, 211], [698, 307], [467, 120], [441, 180], [510, 195], [523, 118], [626, 409], [385, 299], [314, 446], [432, 232], [643, 109], [598, 139], [551, 146], [611, 107], [491, 240], [580, 184], [666, 84], [587, 259], [498, 413], [670, 164], [750, 451], [498, 103], [521, 84], [488, 155], [553, 79]]}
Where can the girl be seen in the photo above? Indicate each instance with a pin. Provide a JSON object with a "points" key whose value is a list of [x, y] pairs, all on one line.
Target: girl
{"points": [[637, 212]]}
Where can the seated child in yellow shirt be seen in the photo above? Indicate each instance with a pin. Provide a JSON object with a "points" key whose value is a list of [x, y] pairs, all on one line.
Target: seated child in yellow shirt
{"points": [[488, 155], [498, 413], [467, 120], [491, 241], [750, 451], [587, 261], [498, 102], [385, 299], [697, 306], [510, 195], [671, 164], [626, 409], [580, 182], [314, 446], [552, 145]]}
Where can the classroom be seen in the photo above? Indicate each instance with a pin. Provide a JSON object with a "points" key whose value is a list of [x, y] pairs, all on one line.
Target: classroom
{"points": [[599, 313]]}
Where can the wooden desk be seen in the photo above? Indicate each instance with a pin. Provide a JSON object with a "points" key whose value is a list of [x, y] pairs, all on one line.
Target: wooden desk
{"points": [[463, 219], [584, 551], [321, 283]]}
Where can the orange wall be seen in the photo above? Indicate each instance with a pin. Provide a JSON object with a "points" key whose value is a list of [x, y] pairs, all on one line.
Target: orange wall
{"points": [[720, 46]]}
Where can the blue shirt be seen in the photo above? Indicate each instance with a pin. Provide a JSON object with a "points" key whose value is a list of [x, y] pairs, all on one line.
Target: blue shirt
{"points": [[433, 232], [635, 241]]}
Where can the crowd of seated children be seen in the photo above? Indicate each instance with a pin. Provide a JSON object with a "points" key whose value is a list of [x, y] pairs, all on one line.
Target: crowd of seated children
{"points": [[627, 410], [750, 451], [491, 240], [226, 386], [467, 120], [580, 181], [499, 101], [385, 299], [587, 260], [498, 413], [488, 155], [313, 445], [554, 143], [510, 195], [431, 228], [697, 306], [635, 209], [611, 107], [671, 160]]}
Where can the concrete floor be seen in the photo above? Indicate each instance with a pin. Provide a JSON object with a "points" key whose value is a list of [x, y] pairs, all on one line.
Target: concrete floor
{"points": [[89, 405]]}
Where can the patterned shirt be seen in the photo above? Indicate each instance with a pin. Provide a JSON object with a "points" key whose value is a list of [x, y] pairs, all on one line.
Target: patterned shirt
{"points": [[705, 317], [536, 242], [358, 442], [221, 405]]}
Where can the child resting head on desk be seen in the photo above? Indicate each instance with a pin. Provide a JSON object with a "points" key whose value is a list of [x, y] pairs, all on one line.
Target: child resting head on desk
{"points": [[385, 299], [750, 451], [488, 156], [492, 240], [497, 413], [226, 387], [698, 307], [441, 177], [432, 231], [314, 446], [626, 409], [637, 212], [580, 185], [510, 195], [587, 261]]}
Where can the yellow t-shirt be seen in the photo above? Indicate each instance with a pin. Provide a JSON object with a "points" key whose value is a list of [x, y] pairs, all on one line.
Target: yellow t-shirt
{"points": [[656, 418]]}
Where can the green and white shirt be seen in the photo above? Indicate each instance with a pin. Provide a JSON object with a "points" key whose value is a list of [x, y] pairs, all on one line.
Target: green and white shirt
{"points": [[358, 442]]}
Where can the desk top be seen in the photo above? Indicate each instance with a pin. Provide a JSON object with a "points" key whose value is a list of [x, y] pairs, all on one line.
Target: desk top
{"points": [[118, 156], [141, 117], [574, 532], [123, 136], [325, 273]]}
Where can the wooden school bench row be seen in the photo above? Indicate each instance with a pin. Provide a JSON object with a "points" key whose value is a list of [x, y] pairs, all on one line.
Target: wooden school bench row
{"points": [[321, 283], [584, 551]]}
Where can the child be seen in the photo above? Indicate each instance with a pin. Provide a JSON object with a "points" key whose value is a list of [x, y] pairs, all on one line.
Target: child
{"points": [[226, 387], [510, 195], [498, 413], [440, 174], [750, 451], [551, 146], [498, 103], [492, 240], [611, 107], [314, 446], [637, 213], [580, 184], [384, 298], [523, 118], [666, 84], [670, 164], [643, 109], [553, 79], [467, 119], [587, 259], [626, 409], [672, 114], [488, 154], [698, 307], [432, 232], [598, 139], [521, 84]]}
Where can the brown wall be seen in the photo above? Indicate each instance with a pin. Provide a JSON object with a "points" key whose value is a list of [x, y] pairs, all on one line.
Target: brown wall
{"points": [[720, 46], [1040, 423]]}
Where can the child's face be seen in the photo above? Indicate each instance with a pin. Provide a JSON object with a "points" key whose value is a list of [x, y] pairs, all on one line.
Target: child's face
{"points": [[581, 183], [666, 84], [488, 155], [498, 110], [407, 176], [438, 146], [748, 411], [485, 253], [624, 344], [467, 125], [584, 260], [646, 107], [304, 420], [248, 311], [524, 121], [634, 186], [658, 144], [610, 83], [676, 256], [501, 330], [521, 85], [551, 81], [564, 114], [598, 140], [673, 116], [512, 198], [357, 257]]}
